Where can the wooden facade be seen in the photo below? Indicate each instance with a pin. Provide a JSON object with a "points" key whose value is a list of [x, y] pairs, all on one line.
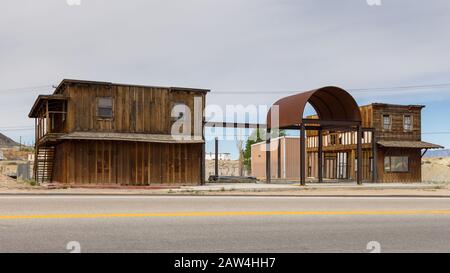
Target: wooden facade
{"points": [[395, 129], [125, 162], [129, 141]]}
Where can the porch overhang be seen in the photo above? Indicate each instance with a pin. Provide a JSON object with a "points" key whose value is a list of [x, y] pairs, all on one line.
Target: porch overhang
{"points": [[154, 138], [408, 144], [41, 101]]}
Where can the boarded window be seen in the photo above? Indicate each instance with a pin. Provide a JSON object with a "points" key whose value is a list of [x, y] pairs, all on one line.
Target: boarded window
{"points": [[105, 107], [396, 164], [387, 122], [407, 123]]}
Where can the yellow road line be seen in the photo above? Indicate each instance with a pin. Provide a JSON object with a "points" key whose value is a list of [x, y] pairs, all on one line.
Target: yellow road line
{"points": [[225, 213]]}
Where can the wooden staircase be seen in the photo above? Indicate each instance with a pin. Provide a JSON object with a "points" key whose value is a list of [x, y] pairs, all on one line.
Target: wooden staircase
{"points": [[43, 164]]}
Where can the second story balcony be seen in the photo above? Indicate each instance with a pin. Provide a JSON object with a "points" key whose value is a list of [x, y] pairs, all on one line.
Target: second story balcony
{"points": [[50, 113]]}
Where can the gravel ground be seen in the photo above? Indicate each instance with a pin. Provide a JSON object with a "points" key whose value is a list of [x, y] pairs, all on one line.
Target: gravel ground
{"points": [[8, 183]]}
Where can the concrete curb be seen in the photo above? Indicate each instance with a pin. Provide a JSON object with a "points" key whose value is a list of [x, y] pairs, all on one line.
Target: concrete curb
{"points": [[238, 190], [298, 188], [223, 195]]}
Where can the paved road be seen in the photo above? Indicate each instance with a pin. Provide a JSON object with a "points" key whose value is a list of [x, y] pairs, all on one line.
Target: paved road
{"points": [[223, 224]]}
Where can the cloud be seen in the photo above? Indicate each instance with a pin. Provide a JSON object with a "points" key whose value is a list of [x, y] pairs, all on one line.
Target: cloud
{"points": [[232, 45]]}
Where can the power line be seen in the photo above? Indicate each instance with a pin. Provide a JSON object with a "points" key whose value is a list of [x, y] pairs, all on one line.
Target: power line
{"points": [[29, 88], [380, 89], [435, 133]]}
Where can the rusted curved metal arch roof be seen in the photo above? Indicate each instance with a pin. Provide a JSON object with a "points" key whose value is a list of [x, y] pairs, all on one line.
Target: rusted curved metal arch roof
{"points": [[331, 104]]}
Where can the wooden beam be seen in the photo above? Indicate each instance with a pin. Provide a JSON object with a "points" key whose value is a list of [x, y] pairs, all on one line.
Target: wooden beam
{"points": [[268, 175], [320, 156], [279, 159], [202, 167], [213, 124], [359, 155], [302, 155], [374, 158], [216, 156], [423, 153], [330, 122]]}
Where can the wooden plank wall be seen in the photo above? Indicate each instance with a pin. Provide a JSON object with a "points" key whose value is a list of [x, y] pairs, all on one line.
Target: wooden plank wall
{"points": [[397, 132], [136, 109], [415, 165], [127, 163]]}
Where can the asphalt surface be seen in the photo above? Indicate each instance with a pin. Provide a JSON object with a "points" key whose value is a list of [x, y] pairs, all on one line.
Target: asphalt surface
{"points": [[223, 224]]}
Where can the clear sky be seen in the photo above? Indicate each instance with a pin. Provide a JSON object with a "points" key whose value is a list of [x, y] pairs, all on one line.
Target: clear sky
{"points": [[245, 51]]}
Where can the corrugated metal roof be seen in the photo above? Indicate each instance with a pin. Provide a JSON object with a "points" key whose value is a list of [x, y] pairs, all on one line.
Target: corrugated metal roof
{"points": [[331, 104], [408, 144]]}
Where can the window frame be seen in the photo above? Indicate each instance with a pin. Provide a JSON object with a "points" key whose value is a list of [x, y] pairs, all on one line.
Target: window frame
{"points": [[390, 122], [99, 117], [411, 128], [389, 157]]}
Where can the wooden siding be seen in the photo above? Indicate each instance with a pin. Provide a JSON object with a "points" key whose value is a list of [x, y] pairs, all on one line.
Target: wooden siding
{"points": [[396, 113], [415, 165], [127, 163], [135, 109]]}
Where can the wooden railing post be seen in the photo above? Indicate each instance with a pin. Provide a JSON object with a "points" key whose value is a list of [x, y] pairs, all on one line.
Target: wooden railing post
{"points": [[359, 155]]}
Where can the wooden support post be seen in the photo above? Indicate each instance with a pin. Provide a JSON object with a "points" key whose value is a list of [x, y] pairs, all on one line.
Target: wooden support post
{"points": [[268, 174], [202, 167], [47, 116], [320, 156], [216, 158], [302, 155], [279, 159], [203, 154], [36, 138], [374, 158], [359, 156]]}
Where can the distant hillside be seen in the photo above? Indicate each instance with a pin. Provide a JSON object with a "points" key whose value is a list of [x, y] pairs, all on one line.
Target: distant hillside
{"points": [[437, 153], [6, 142]]}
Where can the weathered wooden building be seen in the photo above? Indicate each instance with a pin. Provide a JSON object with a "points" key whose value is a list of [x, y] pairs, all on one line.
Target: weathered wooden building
{"points": [[105, 133], [394, 129]]}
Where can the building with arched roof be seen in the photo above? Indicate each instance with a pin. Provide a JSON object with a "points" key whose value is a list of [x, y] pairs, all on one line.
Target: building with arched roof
{"points": [[386, 137]]}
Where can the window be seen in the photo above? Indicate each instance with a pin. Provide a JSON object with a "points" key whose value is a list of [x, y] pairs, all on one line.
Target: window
{"points": [[105, 107], [333, 139], [407, 123], [396, 164], [387, 122]]}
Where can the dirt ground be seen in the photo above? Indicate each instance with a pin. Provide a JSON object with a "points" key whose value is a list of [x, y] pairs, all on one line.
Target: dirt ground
{"points": [[433, 170], [226, 168], [7, 183], [436, 169]]}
